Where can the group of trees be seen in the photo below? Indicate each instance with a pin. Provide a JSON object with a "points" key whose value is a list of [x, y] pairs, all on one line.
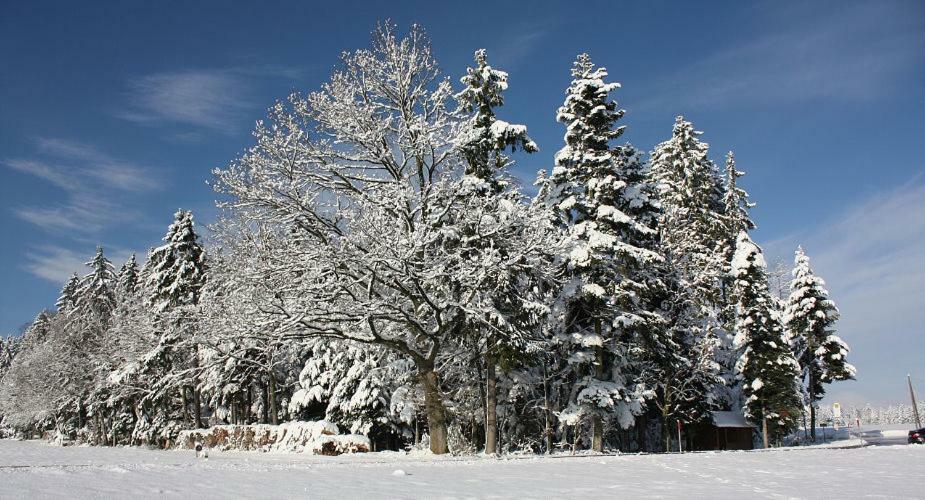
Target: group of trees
{"points": [[871, 415], [376, 264]]}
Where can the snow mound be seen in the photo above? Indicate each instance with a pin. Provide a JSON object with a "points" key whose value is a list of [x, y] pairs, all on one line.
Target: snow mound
{"points": [[320, 438]]}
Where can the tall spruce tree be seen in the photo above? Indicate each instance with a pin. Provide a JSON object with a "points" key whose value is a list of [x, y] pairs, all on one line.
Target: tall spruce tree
{"points": [[68, 296], [96, 292], [175, 274], [38, 329], [483, 144], [595, 193], [689, 231], [736, 218], [127, 281], [176, 269], [735, 201], [766, 366], [486, 137], [810, 319]]}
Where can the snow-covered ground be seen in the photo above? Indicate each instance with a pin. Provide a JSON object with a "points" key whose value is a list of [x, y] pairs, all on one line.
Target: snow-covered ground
{"points": [[34, 470]]}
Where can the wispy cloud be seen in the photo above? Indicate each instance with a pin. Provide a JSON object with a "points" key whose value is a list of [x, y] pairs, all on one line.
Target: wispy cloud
{"points": [[57, 264], [91, 180], [840, 55], [873, 257], [83, 213], [211, 99], [516, 45], [101, 167]]}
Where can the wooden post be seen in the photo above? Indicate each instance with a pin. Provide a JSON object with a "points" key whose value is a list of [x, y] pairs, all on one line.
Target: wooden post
{"points": [[915, 409]]}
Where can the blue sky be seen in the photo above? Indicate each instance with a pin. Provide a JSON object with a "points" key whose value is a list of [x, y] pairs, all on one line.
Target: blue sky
{"points": [[112, 115]]}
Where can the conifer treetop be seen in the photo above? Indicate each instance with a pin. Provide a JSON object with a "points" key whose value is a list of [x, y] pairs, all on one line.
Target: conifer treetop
{"points": [[486, 136]]}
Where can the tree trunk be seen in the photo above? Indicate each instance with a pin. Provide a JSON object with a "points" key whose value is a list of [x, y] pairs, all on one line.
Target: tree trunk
{"points": [[265, 404], [248, 403], [764, 427], [666, 436], [491, 406], [436, 412], [597, 423], [812, 406], [197, 397], [185, 403], [548, 412], [805, 429], [271, 395], [197, 408]]}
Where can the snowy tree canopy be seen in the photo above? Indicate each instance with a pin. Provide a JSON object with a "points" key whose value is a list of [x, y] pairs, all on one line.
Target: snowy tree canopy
{"points": [[375, 267], [766, 366], [810, 318]]}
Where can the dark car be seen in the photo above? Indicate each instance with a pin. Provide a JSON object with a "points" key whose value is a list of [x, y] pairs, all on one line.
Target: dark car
{"points": [[917, 436]]}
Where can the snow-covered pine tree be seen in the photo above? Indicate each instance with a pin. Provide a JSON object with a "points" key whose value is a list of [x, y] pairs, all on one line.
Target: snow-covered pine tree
{"points": [[127, 281], [766, 366], [38, 329], [82, 340], [689, 231], [68, 296], [690, 224], [8, 350], [594, 191], [177, 268], [736, 218], [735, 201], [810, 319], [175, 274], [352, 384], [483, 142], [96, 292], [486, 137]]}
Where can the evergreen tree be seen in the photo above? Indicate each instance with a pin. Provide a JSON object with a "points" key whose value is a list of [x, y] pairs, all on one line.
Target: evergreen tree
{"points": [[176, 269], [175, 275], [810, 319], [766, 365], [7, 353], [689, 230], [484, 197], [736, 218], [96, 296], [691, 222], [735, 202], [486, 137], [38, 329], [68, 297], [595, 192], [127, 281]]}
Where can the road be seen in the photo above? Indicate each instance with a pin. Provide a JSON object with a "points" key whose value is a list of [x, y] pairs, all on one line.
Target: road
{"points": [[886, 440]]}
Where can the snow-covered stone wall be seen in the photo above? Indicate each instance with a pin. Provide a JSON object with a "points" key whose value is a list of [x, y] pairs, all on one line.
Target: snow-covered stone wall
{"points": [[319, 438]]}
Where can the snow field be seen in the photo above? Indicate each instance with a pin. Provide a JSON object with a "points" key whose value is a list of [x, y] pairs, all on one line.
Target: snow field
{"points": [[35, 470]]}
